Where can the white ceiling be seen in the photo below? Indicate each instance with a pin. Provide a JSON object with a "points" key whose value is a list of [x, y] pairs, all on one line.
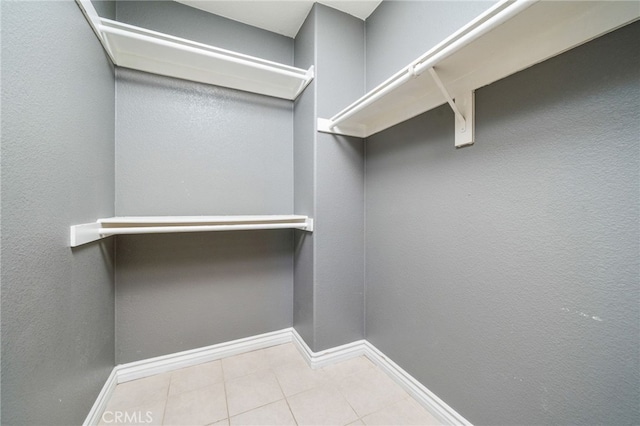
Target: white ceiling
{"points": [[279, 16]]}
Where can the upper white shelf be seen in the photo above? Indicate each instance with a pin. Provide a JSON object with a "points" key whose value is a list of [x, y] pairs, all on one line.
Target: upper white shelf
{"points": [[507, 38], [145, 50], [88, 232]]}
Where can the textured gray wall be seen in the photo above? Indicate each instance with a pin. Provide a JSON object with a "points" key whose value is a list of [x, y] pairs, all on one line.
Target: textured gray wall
{"points": [[329, 185], [105, 8], [184, 148], [57, 171], [505, 276], [185, 291], [339, 240], [304, 163]]}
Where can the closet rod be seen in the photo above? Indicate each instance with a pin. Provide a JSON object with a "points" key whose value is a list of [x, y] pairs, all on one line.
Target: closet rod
{"points": [[457, 42], [488, 25], [197, 228], [362, 104]]}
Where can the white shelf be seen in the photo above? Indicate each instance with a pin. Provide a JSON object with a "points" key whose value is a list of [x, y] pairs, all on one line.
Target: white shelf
{"points": [[88, 232], [507, 38], [150, 51]]}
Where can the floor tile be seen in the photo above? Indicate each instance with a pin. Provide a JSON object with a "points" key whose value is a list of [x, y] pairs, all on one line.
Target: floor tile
{"points": [[198, 376], [140, 392], [340, 370], [272, 386], [252, 391], [273, 414], [286, 354], [321, 406], [403, 413], [244, 364], [295, 378], [370, 390], [198, 407]]}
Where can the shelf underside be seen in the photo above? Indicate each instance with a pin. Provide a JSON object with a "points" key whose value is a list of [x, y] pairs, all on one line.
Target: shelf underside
{"points": [[158, 53], [543, 30], [154, 52], [150, 51]]}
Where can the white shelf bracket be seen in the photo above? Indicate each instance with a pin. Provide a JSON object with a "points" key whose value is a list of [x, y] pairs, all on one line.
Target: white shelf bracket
{"points": [[309, 227], [463, 109], [85, 233], [310, 75]]}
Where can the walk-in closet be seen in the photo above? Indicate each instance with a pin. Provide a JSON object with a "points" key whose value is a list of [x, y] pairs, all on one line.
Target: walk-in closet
{"points": [[320, 212]]}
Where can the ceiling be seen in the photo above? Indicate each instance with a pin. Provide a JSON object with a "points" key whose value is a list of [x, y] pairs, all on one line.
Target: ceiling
{"points": [[279, 16]]}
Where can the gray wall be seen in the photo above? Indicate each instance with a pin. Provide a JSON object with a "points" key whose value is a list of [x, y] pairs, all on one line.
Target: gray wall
{"points": [[505, 276], [185, 291], [57, 171], [329, 185], [339, 240], [105, 8], [304, 155], [184, 148]]}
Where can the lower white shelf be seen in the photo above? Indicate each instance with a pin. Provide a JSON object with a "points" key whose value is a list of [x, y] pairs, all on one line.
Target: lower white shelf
{"points": [[88, 232]]}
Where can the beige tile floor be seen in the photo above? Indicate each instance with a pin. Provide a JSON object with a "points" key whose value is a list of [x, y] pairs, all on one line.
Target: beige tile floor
{"points": [[272, 386]]}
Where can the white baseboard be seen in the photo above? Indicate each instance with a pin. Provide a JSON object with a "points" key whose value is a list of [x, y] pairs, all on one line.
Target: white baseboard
{"points": [[329, 356], [93, 418], [162, 364], [437, 407]]}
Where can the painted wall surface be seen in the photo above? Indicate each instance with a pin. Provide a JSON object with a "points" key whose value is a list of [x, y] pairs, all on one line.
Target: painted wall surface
{"points": [[329, 185], [339, 240], [185, 291], [505, 276], [105, 8], [184, 148], [304, 166], [57, 171]]}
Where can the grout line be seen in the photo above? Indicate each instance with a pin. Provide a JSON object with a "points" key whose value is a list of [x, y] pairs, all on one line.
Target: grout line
{"points": [[259, 406], [286, 399], [337, 387], [263, 405], [166, 399], [226, 394], [278, 381], [293, 416]]}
